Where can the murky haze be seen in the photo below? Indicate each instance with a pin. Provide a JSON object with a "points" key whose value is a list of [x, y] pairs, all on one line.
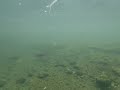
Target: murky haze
{"points": [[80, 20], [29, 26]]}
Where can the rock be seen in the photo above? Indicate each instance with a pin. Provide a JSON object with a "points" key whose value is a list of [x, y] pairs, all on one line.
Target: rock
{"points": [[116, 70], [21, 81], [14, 57], [72, 63], [2, 83], [79, 73], [38, 55], [60, 65], [76, 67], [69, 72], [30, 74], [43, 75]]}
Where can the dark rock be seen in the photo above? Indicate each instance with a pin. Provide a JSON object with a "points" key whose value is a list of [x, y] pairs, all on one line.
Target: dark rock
{"points": [[21, 81], [76, 67], [116, 71], [69, 72], [30, 74], [2, 83], [78, 73], [72, 63], [13, 58], [60, 65], [43, 75]]}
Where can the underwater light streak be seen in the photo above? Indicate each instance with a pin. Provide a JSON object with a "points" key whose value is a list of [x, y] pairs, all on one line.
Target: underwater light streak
{"points": [[50, 6]]}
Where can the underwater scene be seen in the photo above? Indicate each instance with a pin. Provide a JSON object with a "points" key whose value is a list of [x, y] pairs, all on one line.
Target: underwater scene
{"points": [[59, 44]]}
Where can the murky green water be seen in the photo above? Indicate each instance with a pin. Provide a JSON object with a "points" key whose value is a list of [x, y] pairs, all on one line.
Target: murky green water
{"points": [[59, 45]]}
